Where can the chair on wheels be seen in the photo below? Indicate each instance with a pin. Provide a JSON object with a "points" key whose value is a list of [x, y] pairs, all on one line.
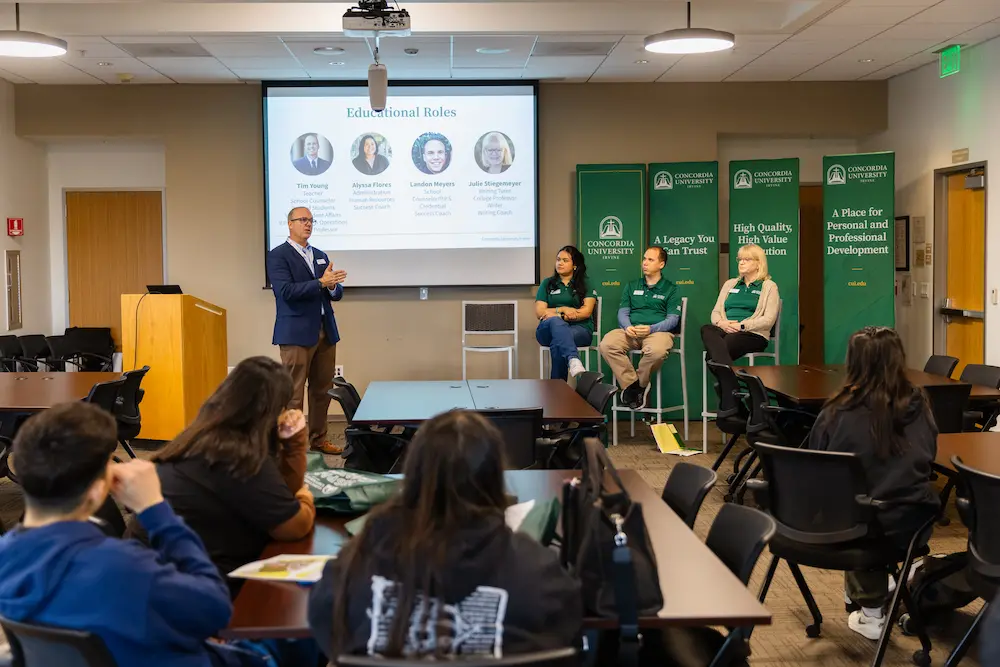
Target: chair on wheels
{"points": [[949, 403], [659, 410], [40, 646], [520, 429], [489, 318], [105, 395], [775, 336], [585, 350], [367, 448], [827, 520], [732, 415], [941, 364], [562, 657], [564, 447], [586, 381], [978, 512], [36, 355], [982, 415], [10, 354], [686, 488], [127, 411], [92, 348]]}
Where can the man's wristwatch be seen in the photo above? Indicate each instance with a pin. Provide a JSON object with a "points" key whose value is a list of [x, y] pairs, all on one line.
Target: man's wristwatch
{"points": [[743, 327]]}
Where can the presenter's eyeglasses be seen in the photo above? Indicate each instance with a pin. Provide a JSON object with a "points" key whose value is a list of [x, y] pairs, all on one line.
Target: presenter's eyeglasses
{"points": [[304, 220]]}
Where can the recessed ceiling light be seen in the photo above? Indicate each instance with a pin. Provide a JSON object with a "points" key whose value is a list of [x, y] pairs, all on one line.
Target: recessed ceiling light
{"points": [[327, 50], [689, 40], [337, 63], [641, 62], [104, 63], [24, 44], [491, 52], [867, 60]]}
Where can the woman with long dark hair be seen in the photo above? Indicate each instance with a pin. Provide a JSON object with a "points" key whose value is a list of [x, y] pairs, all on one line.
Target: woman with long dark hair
{"points": [[436, 571], [886, 420], [236, 474], [564, 307]]}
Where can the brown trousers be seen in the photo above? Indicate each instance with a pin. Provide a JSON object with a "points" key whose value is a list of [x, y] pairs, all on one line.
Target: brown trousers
{"points": [[616, 346], [316, 364]]}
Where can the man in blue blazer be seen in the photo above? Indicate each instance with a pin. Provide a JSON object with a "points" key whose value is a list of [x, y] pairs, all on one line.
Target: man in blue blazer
{"points": [[311, 164], [305, 284]]}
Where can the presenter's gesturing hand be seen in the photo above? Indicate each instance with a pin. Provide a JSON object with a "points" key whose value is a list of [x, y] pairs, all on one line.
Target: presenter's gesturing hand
{"points": [[331, 278]]}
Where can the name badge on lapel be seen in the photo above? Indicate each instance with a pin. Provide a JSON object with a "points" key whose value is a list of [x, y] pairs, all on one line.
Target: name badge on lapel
{"points": [[734, 291], [321, 262], [638, 292]]}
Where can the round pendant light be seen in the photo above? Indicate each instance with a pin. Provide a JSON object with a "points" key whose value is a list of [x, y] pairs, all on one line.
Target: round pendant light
{"points": [[25, 44], [685, 41]]}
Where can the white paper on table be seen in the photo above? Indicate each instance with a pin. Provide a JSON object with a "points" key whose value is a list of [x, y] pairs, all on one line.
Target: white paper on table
{"points": [[683, 452], [516, 514], [297, 568]]}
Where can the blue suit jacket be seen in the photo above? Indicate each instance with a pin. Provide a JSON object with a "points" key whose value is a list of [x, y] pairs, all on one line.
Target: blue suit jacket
{"points": [[302, 164], [298, 297]]}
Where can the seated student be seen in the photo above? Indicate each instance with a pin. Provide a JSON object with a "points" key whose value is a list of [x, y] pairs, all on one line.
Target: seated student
{"points": [[440, 550], [235, 474], [649, 311], [564, 307], [150, 606], [745, 311], [883, 418]]}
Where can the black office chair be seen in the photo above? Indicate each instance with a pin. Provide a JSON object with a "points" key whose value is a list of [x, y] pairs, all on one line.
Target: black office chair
{"points": [[562, 657], [351, 390], [105, 394], [10, 354], [585, 382], [737, 537], [36, 355], [826, 519], [91, 348], [978, 512], [732, 415], [520, 429], [40, 646], [982, 415], [686, 488], [949, 403], [563, 450], [366, 448], [127, 412], [941, 364]]}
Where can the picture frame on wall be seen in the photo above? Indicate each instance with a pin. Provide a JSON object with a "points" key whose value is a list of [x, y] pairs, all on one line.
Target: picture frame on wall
{"points": [[902, 243]]}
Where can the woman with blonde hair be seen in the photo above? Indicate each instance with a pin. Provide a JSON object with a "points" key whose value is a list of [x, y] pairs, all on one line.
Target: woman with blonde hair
{"points": [[495, 155], [745, 311]]}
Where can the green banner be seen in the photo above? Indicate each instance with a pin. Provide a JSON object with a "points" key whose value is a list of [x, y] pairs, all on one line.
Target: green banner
{"points": [[684, 219], [858, 265], [764, 209], [611, 231]]}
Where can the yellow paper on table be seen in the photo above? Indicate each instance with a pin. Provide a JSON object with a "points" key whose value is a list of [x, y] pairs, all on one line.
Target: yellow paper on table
{"points": [[669, 441]]}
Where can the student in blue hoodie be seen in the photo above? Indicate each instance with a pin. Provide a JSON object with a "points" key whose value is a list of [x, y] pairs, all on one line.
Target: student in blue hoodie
{"points": [[151, 607]]}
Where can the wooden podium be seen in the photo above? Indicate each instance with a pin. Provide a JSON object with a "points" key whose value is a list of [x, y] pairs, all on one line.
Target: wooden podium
{"points": [[183, 341]]}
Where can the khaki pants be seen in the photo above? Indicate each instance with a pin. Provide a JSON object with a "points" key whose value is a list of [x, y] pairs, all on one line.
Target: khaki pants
{"points": [[615, 348], [317, 364]]}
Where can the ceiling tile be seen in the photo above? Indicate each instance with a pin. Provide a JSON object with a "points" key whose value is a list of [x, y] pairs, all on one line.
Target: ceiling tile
{"points": [[48, 71], [954, 11], [154, 39], [936, 31], [427, 47], [236, 38], [284, 62], [487, 73], [838, 33], [546, 39], [980, 34], [353, 49], [581, 66], [802, 47], [465, 48], [270, 74], [638, 73], [849, 16], [270, 48], [891, 3], [93, 47]]}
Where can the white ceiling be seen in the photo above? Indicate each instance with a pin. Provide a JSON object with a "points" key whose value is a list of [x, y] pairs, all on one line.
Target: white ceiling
{"points": [[584, 40]]}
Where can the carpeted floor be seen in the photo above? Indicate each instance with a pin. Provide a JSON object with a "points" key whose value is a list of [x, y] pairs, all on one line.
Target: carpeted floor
{"points": [[785, 641]]}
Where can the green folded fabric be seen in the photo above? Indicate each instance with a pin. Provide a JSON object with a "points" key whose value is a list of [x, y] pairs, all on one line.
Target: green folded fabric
{"points": [[346, 491]]}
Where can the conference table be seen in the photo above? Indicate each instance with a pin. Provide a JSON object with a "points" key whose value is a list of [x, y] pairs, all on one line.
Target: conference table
{"points": [[410, 403], [810, 385], [27, 393], [980, 450], [698, 589]]}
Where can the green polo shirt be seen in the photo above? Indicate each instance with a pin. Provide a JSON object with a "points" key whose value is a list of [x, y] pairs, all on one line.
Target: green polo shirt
{"points": [[557, 294], [741, 302], [650, 304]]}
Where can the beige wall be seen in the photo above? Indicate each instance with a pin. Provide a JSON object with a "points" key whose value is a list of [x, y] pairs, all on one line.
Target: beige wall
{"points": [[212, 141]]}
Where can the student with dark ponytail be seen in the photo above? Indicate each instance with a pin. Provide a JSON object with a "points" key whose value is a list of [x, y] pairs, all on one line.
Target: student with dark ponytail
{"points": [[436, 572], [883, 418]]}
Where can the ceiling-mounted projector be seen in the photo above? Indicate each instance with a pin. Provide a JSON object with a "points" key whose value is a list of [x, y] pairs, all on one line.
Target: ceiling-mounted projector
{"points": [[374, 18]]}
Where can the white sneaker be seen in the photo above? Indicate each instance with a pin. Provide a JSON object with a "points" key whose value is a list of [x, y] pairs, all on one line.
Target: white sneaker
{"points": [[869, 627], [576, 367]]}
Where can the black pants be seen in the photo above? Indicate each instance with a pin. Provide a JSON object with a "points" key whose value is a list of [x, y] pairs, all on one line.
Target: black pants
{"points": [[724, 348]]}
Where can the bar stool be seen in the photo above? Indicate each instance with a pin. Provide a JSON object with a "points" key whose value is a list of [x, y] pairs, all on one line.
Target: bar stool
{"points": [[490, 318], [586, 349], [659, 410]]}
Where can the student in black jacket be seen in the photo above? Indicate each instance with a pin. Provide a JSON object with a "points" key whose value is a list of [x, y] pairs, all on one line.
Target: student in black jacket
{"points": [[886, 420], [441, 552]]}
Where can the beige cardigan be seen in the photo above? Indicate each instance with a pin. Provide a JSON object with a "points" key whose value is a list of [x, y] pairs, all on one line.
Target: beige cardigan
{"points": [[762, 319]]}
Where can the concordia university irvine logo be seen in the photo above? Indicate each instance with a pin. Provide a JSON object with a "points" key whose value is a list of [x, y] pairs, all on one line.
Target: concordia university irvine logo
{"points": [[743, 180], [664, 180], [836, 175], [611, 228]]}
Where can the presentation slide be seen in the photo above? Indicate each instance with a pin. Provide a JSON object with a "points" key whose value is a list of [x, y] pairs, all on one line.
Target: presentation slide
{"points": [[440, 188]]}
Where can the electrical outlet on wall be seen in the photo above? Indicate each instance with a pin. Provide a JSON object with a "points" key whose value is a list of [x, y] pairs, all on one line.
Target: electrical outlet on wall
{"points": [[338, 371]]}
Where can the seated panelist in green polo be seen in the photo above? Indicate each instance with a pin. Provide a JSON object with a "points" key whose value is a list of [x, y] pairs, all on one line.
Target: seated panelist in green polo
{"points": [[745, 311], [649, 311], [564, 307]]}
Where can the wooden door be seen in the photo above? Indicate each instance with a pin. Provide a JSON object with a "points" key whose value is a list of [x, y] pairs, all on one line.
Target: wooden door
{"points": [[966, 271], [811, 273], [114, 246]]}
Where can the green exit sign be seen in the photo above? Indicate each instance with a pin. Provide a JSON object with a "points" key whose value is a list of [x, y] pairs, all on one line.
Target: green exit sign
{"points": [[951, 60]]}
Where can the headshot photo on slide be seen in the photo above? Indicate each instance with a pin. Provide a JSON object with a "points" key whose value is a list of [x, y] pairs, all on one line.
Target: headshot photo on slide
{"points": [[311, 154], [431, 153], [494, 152], [370, 153]]}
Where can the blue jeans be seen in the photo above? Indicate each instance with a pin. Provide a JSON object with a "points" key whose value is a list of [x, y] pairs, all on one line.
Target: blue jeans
{"points": [[562, 339]]}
